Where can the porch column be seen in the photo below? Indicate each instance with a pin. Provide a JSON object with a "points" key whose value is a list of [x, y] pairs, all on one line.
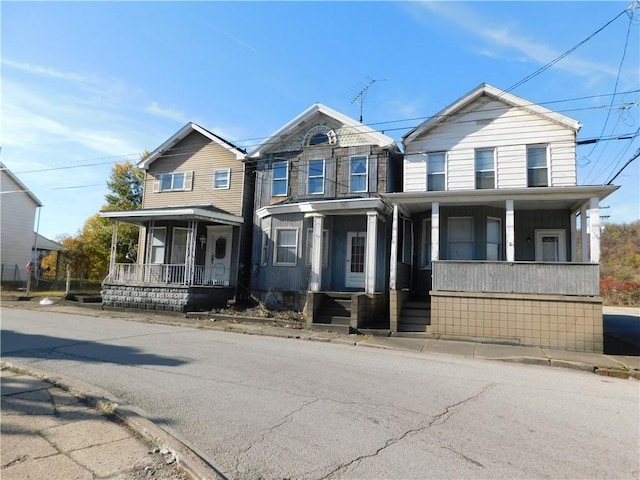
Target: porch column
{"points": [[370, 254], [114, 249], [574, 237], [594, 217], [190, 253], [393, 260], [315, 280], [584, 234], [510, 231], [147, 256], [435, 231]]}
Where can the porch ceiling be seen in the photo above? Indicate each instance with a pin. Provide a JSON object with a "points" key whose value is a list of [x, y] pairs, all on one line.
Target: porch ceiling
{"points": [[553, 198], [140, 217]]}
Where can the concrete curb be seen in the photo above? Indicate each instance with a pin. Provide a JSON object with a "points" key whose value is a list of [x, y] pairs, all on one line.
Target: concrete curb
{"points": [[104, 402]]}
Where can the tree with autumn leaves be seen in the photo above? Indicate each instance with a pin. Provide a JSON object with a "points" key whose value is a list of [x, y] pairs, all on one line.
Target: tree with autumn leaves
{"points": [[88, 251]]}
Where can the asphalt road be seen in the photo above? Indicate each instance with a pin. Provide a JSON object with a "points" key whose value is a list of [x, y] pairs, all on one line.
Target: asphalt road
{"points": [[261, 407]]}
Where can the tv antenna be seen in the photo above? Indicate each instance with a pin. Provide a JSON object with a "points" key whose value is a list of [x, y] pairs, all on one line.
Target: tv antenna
{"points": [[359, 98]]}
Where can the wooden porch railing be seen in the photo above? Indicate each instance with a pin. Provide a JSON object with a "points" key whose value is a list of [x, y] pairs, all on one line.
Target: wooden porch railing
{"points": [[581, 279], [163, 274]]}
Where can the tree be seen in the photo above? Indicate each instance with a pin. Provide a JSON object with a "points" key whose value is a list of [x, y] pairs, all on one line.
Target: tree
{"points": [[88, 251]]}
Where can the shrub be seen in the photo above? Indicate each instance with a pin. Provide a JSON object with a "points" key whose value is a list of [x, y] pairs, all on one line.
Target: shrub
{"points": [[619, 292]]}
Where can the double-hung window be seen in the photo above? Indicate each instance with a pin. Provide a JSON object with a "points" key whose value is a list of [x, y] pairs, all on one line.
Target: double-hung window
{"points": [[286, 251], [325, 247], [158, 242], [280, 172], [460, 233], [316, 176], [221, 178], [358, 174], [537, 169], [435, 172], [426, 244], [172, 181], [485, 168]]}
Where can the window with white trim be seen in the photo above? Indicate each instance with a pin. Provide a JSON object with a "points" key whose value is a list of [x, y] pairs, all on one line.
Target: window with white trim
{"points": [[537, 169], [315, 176], [158, 241], [325, 247], [494, 239], [407, 241], [551, 246], [264, 249], [426, 244], [358, 173], [460, 234], [172, 181], [435, 172], [485, 168], [221, 178], [280, 182], [286, 251]]}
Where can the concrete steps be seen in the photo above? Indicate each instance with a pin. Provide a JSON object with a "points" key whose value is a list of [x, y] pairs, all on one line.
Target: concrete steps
{"points": [[415, 317]]}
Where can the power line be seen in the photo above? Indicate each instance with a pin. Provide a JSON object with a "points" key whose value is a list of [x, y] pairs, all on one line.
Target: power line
{"points": [[635, 156]]}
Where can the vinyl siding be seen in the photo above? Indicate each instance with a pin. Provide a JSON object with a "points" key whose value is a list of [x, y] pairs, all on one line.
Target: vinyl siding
{"points": [[17, 214], [493, 125], [202, 157]]}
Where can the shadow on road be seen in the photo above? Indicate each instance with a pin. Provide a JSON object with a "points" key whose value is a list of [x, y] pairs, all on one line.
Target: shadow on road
{"points": [[621, 334], [22, 345]]}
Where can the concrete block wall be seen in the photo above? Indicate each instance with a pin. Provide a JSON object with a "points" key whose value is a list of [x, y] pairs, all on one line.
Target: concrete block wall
{"points": [[548, 321], [160, 298]]}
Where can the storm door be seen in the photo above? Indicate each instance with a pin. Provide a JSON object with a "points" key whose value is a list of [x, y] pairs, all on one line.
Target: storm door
{"points": [[356, 251]]}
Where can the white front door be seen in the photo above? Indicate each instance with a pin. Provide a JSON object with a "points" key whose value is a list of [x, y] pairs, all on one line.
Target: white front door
{"points": [[356, 250], [550, 246], [218, 259]]}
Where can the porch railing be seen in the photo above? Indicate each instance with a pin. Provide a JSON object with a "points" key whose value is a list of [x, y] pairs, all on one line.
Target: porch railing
{"points": [[163, 274], [517, 277]]}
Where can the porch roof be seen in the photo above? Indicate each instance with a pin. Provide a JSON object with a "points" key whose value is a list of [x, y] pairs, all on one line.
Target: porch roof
{"points": [[347, 206], [204, 213], [528, 198]]}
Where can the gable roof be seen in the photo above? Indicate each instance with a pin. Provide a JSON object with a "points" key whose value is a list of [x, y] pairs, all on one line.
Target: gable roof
{"points": [[485, 89], [22, 186], [377, 138], [43, 243], [181, 135]]}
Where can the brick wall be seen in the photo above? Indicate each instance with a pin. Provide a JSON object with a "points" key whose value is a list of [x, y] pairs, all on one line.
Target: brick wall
{"points": [[549, 321]]}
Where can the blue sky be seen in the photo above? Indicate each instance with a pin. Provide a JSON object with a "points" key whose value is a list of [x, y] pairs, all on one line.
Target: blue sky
{"points": [[88, 84]]}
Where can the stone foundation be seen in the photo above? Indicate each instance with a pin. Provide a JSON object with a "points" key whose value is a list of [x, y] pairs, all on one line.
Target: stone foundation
{"points": [[549, 321], [176, 298]]}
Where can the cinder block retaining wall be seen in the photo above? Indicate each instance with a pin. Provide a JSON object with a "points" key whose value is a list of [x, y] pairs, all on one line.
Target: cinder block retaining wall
{"points": [[550, 321], [164, 298]]}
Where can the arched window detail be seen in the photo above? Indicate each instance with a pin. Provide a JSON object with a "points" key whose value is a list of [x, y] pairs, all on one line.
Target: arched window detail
{"points": [[320, 135], [319, 139]]}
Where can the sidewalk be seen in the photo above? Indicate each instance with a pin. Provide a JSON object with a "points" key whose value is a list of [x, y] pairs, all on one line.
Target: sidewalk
{"points": [[49, 433], [52, 430]]}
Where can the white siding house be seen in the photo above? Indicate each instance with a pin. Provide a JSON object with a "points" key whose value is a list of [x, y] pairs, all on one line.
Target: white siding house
{"points": [[17, 215]]}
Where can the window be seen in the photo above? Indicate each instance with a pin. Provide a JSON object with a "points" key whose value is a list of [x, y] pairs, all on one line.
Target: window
{"points": [[264, 251], [319, 139], [460, 238], [426, 244], [435, 172], [325, 246], [494, 239], [158, 240], [172, 181], [179, 245], [358, 174], [485, 169], [316, 176], [220, 249], [286, 252], [407, 241], [537, 166], [280, 179], [221, 178]]}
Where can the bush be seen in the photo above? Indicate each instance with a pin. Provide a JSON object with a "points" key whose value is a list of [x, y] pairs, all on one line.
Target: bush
{"points": [[619, 292]]}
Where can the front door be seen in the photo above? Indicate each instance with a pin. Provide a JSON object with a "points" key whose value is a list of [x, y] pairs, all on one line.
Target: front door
{"points": [[550, 246], [218, 259], [356, 250]]}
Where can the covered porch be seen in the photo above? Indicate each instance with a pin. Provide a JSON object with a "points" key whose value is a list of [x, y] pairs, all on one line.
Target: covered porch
{"points": [[188, 260]]}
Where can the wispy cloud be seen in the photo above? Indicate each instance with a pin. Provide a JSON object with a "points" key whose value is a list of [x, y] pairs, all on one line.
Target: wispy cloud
{"points": [[172, 114], [48, 71], [508, 39]]}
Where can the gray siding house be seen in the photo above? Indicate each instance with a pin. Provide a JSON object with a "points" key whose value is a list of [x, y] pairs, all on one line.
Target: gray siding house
{"points": [[485, 230], [196, 217], [321, 229]]}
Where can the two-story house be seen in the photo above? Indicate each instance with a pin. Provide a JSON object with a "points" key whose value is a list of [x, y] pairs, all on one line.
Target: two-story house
{"points": [[487, 223], [196, 218], [322, 231]]}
